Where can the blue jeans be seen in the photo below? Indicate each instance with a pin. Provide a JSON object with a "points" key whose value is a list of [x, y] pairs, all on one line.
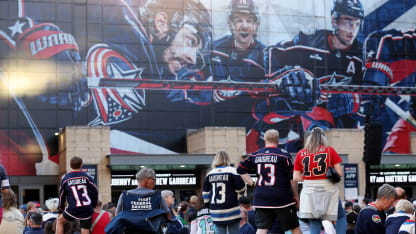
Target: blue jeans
{"points": [[340, 226], [233, 228]]}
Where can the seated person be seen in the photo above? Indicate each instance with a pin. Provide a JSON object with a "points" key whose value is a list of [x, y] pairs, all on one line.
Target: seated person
{"points": [[142, 208]]}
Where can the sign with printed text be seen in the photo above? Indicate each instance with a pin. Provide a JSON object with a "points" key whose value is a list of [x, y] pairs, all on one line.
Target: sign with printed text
{"points": [[166, 179], [351, 181], [91, 170], [381, 177]]}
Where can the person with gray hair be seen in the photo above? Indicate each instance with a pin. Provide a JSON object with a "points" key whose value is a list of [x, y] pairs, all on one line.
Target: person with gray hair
{"points": [[403, 211], [52, 205], [170, 200], [146, 181], [371, 219], [173, 226], [140, 203]]}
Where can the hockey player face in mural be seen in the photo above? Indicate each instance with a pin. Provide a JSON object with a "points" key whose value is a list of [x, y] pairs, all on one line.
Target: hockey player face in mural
{"points": [[180, 31], [183, 50], [244, 29], [346, 29]]}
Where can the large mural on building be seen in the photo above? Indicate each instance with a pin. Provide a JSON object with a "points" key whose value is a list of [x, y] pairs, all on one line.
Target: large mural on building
{"points": [[52, 53]]}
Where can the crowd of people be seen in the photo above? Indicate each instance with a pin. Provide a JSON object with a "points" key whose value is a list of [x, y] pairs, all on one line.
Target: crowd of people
{"points": [[223, 206]]}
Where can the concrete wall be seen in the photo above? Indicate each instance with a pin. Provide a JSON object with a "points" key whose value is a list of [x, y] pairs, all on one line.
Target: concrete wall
{"points": [[350, 142], [413, 143], [92, 144], [210, 140]]}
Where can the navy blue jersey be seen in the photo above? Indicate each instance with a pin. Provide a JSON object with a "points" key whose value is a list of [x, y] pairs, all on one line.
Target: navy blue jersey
{"points": [[221, 186], [316, 54], [79, 190], [274, 168], [4, 182], [230, 63], [370, 221]]}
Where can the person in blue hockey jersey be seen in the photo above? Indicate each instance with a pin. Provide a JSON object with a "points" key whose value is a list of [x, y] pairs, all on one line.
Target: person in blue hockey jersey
{"points": [[220, 193], [371, 219], [276, 194], [79, 191], [300, 65], [390, 60]]}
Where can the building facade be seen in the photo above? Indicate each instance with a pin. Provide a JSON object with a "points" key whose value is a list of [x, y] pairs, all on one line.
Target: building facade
{"points": [[150, 72]]}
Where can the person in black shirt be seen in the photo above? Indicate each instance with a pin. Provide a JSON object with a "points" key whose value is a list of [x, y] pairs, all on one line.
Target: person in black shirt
{"points": [[275, 194], [79, 190]]}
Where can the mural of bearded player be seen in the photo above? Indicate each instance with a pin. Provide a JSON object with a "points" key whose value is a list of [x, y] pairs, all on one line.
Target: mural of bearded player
{"points": [[166, 43]]}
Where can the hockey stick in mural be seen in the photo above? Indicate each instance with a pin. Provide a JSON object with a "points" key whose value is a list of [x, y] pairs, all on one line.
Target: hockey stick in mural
{"points": [[253, 87], [46, 166], [400, 112]]}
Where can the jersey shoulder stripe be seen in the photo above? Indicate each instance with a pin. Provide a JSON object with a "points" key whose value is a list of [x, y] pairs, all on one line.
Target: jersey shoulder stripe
{"points": [[221, 170]]}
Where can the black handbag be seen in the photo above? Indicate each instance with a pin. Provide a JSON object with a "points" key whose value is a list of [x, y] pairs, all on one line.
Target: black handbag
{"points": [[332, 174]]}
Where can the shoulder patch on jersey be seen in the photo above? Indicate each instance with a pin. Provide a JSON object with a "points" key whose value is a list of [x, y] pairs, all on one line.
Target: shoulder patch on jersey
{"points": [[376, 218], [381, 67]]}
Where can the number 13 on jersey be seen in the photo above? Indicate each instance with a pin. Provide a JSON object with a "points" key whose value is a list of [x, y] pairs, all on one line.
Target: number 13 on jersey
{"points": [[270, 171]]}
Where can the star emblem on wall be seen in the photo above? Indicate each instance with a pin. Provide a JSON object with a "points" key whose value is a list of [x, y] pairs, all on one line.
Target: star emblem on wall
{"points": [[16, 28]]}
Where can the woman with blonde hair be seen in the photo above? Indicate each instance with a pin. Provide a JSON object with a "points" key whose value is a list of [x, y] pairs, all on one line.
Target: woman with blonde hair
{"points": [[319, 199], [13, 221], [221, 188]]}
